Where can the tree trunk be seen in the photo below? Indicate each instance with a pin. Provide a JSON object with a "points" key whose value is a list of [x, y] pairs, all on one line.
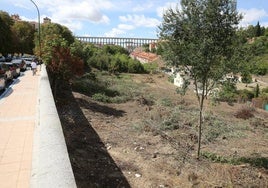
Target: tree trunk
{"points": [[199, 133], [200, 123]]}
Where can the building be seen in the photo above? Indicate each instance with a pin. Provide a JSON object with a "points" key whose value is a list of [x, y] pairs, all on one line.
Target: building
{"points": [[144, 57], [46, 20]]}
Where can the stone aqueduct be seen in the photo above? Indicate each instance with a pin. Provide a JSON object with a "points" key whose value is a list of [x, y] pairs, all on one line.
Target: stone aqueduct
{"points": [[128, 43]]}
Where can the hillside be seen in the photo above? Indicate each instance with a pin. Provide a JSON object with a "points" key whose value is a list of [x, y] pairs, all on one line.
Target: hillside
{"points": [[145, 136]]}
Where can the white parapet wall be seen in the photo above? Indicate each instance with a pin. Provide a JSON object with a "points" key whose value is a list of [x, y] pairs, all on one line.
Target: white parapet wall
{"points": [[51, 167]]}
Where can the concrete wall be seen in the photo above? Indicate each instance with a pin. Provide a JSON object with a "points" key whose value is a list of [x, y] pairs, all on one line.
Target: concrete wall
{"points": [[51, 165]]}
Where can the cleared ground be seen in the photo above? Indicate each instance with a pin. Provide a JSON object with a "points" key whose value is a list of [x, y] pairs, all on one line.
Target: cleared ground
{"points": [[150, 140]]}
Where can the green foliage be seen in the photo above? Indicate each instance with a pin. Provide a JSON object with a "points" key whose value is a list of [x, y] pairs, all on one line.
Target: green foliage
{"points": [[265, 90], [150, 67], [105, 87], [23, 35], [257, 91], [245, 95], [146, 48], [113, 49], [216, 128], [135, 66], [6, 23], [228, 92], [202, 38], [50, 29], [114, 59], [256, 161], [101, 98], [171, 78], [166, 102], [246, 77]]}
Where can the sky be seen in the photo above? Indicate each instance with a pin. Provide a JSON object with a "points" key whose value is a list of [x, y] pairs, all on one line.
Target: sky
{"points": [[117, 18]]}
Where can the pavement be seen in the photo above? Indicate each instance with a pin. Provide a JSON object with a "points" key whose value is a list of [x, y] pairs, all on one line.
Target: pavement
{"points": [[33, 152], [18, 119]]}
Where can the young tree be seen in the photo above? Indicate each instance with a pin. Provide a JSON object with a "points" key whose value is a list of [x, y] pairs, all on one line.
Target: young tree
{"points": [[201, 37]]}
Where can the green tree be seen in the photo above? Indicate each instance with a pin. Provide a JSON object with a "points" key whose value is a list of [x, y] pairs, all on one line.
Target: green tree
{"points": [[53, 29], [6, 23], [258, 30], [23, 37], [114, 49], [257, 91], [200, 37], [62, 63]]}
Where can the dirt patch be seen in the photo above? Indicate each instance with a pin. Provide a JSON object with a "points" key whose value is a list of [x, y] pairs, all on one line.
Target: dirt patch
{"points": [[122, 145]]}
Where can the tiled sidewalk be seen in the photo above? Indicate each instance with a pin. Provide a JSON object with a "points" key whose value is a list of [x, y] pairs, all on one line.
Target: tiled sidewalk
{"points": [[18, 115]]}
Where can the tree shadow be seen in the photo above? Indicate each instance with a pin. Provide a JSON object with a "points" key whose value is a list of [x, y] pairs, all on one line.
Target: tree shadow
{"points": [[92, 165], [95, 107]]}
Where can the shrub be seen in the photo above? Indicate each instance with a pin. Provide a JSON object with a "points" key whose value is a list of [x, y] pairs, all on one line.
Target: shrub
{"points": [[101, 98], [245, 113], [150, 67], [265, 90], [245, 95], [171, 78], [246, 77], [228, 92]]}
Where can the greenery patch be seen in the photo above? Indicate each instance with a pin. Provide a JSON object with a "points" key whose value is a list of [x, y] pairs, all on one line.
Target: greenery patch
{"points": [[256, 161]]}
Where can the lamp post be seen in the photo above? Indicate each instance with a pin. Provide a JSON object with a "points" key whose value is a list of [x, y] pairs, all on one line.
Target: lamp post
{"points": [[39, 28]]}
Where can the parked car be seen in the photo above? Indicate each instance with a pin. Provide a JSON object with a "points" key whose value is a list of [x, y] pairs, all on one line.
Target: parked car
{"points": [[21, 63], [2, 80], [2, 59], [6, 70], [15, 69]]}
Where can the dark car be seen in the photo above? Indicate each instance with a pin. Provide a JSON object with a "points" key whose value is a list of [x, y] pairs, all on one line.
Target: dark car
{"points": [[21, 63], [2, 80], [6, 70], [15, 69], [2, 59]]}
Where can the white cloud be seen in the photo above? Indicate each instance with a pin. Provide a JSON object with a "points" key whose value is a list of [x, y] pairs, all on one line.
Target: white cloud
{"points": [[125, 27], [140, 20], [160, 10], [143, 7], [121, 29], [114, 32], [252, 15], [264, 24], [79, 11]]}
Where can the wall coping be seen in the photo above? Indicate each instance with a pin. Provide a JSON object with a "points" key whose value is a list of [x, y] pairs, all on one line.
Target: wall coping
{"points": [[51, 165]]}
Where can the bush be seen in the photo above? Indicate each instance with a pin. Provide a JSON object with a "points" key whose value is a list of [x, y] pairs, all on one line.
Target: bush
{"points": [[150, 67], [265, 90], [228, 92], [245, 95], [101, 98], [245, 113], [246, 78]]}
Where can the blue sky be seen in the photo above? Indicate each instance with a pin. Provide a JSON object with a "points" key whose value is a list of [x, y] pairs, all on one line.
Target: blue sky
{"points": [[117, 18]]}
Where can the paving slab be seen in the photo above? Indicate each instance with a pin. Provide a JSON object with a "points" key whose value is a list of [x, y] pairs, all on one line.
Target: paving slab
{"points": [[18, 117]]}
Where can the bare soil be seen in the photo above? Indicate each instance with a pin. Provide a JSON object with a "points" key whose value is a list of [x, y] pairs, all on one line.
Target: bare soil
{"points": [[121, 145]]}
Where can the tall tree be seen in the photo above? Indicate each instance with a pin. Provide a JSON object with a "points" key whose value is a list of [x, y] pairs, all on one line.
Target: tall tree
{"points": [[62, 64], [23, 37], [258, 31], [6, 23], [201, 38]]}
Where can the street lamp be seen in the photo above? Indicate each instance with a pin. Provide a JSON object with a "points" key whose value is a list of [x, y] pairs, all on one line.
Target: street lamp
{"points": [[39, 39]]}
